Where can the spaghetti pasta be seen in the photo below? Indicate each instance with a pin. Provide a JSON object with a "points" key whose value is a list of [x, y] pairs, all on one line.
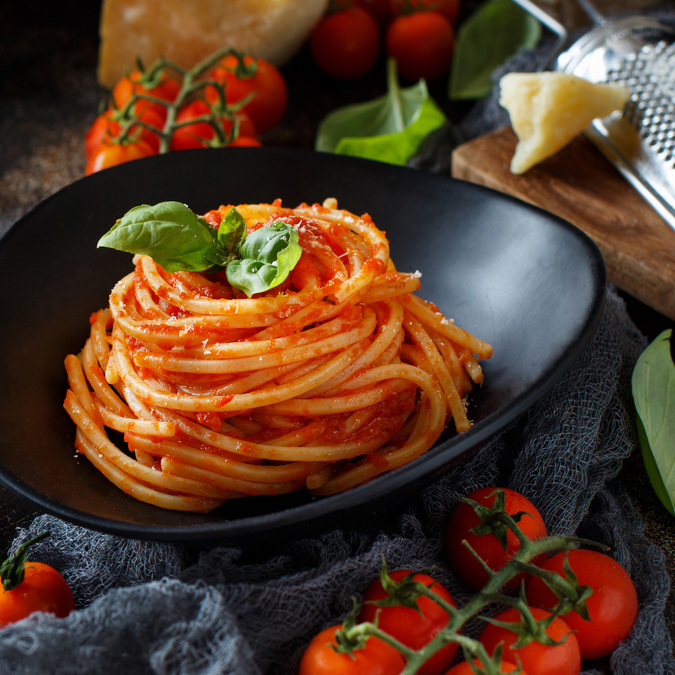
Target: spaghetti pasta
{"points": [[335, 376]]}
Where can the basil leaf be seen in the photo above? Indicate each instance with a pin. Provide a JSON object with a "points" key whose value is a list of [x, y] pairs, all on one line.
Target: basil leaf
{"points": [[267, 257], [494, 32], [653, 385], [389, 129], [169, 232], [231, 231]]}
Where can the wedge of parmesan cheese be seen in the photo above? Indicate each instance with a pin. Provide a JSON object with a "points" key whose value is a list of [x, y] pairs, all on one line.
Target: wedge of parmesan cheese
{"points": [[188, 32], [547, 110]]}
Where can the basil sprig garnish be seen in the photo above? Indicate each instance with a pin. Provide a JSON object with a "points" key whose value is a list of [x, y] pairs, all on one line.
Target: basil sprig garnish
{"points": [[178, 239]]}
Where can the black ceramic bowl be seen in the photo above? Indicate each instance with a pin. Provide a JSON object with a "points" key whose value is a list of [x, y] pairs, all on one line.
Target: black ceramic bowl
{"points": [[516, 276]]}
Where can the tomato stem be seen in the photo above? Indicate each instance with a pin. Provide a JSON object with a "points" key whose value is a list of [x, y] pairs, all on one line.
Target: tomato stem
{"points": [[12, 569]]}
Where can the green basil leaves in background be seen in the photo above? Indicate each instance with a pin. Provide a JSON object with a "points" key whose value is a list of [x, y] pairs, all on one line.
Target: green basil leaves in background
{"points": [[389, 129], [177, 239], [653, 385], [494, 32]]}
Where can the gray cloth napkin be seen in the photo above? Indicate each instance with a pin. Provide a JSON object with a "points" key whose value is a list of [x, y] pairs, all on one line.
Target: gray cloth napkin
{"points": [[147, 607]]}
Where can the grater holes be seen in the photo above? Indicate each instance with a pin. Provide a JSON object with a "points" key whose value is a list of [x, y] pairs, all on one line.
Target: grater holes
{"points": [[650, 75]]}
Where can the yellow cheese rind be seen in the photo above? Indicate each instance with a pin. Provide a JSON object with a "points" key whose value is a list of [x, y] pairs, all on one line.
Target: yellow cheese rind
{"points": [[547, 110], [186, 32]]}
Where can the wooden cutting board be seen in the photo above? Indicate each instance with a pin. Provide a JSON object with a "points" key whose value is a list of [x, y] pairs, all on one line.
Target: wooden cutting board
{"points": [[582, 187]]}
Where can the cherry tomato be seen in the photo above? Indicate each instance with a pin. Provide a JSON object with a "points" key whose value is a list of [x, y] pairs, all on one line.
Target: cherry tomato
{"points": [[267, 87], [535, 657], [422, 44], [378, 9], [111, 154], [464, 519], [346, 43], [450, 9], [245, 142], [376, 658], [612, 607], [408, 625], [29, 587], [105, 129], [126, 87], [201, 134], [464, 668]]}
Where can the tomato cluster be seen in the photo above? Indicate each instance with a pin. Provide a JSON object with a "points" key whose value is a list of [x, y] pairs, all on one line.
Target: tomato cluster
{"points": [[536, 635], [418, 34], [235, 100]]}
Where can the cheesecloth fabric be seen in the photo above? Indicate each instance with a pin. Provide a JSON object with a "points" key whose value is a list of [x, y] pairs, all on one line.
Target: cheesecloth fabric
{"points": [[147, 607]]}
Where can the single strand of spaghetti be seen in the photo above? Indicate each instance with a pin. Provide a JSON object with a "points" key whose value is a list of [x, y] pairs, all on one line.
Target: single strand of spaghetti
{"points": [[474, 369], [232, 403], [424, 312], [383, 289], [390, 316], [130, 467], [315, 480], [139, 490], [124, 424], [78, 383], [301, 436], [268, 360], [99, 337], [171, 466], [97, 380]]}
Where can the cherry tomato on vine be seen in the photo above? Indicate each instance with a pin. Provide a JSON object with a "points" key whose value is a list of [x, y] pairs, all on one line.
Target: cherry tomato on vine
{"points": [[464, 519], [105, 128], [346, 43], [200, 134], [464, 668], [535, 657], [245, 142], [422, 44], [376, 658], [450, 9], [126, 87], [266, 86], [29, 587], [111, 154], [612, 607], [414, 628]]}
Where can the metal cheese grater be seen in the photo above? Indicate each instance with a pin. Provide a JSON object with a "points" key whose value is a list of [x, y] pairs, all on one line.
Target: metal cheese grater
{"points": [[639, 53]]}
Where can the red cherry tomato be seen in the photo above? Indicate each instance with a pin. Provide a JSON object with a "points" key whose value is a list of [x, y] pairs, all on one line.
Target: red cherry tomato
{"points": [[376, 658], [450, 9], [612, 607], [421, 43], [111, 154], [201, 134], [266, 86], [29, 587], [535, 657], [126, 87], [106, 129], [245, 142], [464, 668], [346, 43], [408, 625], [464, 519]]}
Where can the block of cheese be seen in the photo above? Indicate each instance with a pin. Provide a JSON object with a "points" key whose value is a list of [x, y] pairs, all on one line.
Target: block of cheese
{"points": [[547, 110], [186, 32]]}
